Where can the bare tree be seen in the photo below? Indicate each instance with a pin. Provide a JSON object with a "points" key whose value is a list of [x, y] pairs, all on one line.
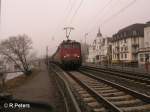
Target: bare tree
{"points": [[17, 49]]}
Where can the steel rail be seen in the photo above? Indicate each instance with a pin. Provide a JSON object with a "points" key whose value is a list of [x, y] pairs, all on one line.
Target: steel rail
{"points": [[65, 90], [120, 71], [138, 78], [96, 95], [136, 94]]}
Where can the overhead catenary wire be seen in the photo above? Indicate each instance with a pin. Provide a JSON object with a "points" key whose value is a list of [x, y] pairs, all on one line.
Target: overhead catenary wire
{"points": [[76, 11], [102, 15], [101, 10], [120, 11], [65, 17], [71, 8], [116, 14]]}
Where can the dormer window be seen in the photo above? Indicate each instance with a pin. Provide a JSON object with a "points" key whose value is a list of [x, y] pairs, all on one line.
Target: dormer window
{"points": [[121, 35], [125, 41], [134, 33], [125, 34]]}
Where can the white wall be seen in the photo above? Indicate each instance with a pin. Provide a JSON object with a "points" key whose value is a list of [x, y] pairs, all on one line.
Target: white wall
{"points": [[147, 36]]}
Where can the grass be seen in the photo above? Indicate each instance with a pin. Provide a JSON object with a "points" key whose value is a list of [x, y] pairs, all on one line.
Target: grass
{"points": [[20, 80]]}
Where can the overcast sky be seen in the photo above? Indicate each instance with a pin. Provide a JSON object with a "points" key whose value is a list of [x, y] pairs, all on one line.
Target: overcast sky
{"points": [[43, 20]]}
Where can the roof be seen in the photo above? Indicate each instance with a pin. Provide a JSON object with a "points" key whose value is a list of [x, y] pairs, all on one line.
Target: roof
{"points": [[99, 33], [147, 24], [134, 30], [137, 27]]}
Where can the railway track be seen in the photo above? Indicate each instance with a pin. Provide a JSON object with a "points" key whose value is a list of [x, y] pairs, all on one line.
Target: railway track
{"points": [[70, 103], [95, 94], [136, 78], [104, 96]]}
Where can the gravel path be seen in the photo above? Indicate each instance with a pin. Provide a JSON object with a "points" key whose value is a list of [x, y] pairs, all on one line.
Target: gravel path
{"points": [[41, 88]]}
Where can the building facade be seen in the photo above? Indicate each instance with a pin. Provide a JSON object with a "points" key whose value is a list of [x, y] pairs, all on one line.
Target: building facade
{"points": [[144, 53], [98, 51], [126, 42]]}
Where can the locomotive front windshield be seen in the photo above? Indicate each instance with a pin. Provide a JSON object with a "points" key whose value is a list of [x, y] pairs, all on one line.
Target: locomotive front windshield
{"points": [[67, 46], [71, 45]]}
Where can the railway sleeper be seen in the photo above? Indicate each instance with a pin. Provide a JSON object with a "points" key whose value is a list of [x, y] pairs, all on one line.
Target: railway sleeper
{"points": [[82, 92], [108, 91], [85, 95], [142, 108], [100, 110], [94, 107], [90, 99], [120, 98], [94, 104], [105, 88], [129, 103], [83, 102], [148, 85], [98, 86], [79, 89], [119, 93], [96, 83], [89, 104]]}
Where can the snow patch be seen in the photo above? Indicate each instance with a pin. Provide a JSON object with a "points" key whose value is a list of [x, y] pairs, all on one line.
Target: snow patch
{"points": [[13, 75]]}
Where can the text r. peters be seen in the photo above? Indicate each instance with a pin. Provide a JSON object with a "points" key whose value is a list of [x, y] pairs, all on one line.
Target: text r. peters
{"points": [[16, 105]]}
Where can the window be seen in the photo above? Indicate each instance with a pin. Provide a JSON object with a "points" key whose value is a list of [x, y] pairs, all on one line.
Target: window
{"points": [[76, 45], [122, 56], [134, 40], [134, 33], [97, 57], [121, 35], [125, 41], [71, 45], [124, 34], [121, 48], [126, 48], [125, 55], [142, 57], [93, 47], [67, 46], [121, 41]]}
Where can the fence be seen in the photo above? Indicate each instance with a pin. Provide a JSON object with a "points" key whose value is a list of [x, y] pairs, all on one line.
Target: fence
{"points": [[139, 69]]}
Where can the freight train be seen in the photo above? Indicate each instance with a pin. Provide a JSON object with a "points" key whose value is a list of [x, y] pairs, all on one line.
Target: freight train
{"points": [[68, 54]]}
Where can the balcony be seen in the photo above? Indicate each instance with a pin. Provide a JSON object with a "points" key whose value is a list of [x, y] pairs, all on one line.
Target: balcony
{"points": [[147, 49], [135, 45]]}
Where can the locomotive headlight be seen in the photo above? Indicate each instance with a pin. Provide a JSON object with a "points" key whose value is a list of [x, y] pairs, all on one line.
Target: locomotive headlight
{"points": [[67, 55], [76, 55]]}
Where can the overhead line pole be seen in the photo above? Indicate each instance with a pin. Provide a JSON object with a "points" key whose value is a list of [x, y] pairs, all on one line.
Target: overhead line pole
{"points": [[0, 11], [85, 37]]}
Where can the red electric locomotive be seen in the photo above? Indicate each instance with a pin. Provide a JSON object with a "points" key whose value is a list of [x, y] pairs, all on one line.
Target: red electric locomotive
{"points": [[68, 54]]}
